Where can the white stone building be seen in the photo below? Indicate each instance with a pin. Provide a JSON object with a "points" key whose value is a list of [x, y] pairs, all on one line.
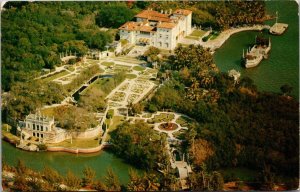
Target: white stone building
{"points": [[42, 128], [162, 30]]}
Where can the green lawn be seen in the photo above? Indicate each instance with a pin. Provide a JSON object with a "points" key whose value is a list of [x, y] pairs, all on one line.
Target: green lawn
{"points": [[70, 68], [130, 76], [163, 117], [186, 122], [119, 68], [107, 64], [78, 143], [183, 44], [180, 134], [92, 61], [49, 112], [6, 133], [124, 42], [214, 36], [198, 33], [139, 68], [148, 115], [183, 121], [164, 51], [115, 121], [55, 76], [104, 84], [192, 37]]}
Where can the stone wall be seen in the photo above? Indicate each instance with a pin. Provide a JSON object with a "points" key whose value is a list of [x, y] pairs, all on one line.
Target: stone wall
{"points": [[75, 150]]}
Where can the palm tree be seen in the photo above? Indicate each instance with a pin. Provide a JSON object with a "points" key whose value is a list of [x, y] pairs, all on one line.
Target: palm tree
{"points": [[151, 182]]}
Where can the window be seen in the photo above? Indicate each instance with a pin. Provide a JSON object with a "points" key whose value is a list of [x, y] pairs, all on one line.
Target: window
{"points": [[37, 127], [167, 36], [160, 44], [46, 128], [145, 33], [34, 134], [167, 44], [33, 126], [160, 36], [42, 128], [42, 135], [37, 134]]}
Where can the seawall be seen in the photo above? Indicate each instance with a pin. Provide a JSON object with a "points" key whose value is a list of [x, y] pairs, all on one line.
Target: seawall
{"points": [[75, 150]]}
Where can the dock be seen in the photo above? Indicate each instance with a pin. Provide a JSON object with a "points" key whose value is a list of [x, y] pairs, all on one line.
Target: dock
{"points": [[278, 28]]}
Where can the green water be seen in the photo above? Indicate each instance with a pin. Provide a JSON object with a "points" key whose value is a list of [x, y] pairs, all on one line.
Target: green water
{"points": [[282, 67], [63, 162]]}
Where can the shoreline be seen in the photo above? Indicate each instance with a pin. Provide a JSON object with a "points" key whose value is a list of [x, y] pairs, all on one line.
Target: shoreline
{"points": [[225, 35], [62, 149], [75, 150]]}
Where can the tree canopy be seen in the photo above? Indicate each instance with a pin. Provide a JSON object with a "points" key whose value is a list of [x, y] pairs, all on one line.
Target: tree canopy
{"points": [[238, 125], [139, 144], [35, 33], [114, 15]]}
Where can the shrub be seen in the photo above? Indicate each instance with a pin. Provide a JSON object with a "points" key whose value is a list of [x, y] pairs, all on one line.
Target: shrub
{"points": [[205, 38], [42, 147], [110, 114]]}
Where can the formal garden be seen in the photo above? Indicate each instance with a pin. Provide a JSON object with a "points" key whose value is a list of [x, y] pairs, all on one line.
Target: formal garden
{"points": [[65, 74], [130, 91]]}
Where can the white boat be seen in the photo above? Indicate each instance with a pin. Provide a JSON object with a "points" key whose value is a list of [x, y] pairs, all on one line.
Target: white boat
{"points": [[256, 54]]}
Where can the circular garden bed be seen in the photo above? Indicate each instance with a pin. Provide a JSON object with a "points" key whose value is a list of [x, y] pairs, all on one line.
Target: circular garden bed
{"points": [[168, 126]]}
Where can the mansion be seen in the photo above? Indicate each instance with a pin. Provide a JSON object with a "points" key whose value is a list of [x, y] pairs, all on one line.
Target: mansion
{"points": [[159, 29], [41, 128]]}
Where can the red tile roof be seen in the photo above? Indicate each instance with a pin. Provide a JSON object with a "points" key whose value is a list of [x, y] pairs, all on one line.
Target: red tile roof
{"points": [[182, 12], [166, 25], [129, 26], [136, 26], [153, 15], [146, 28]]}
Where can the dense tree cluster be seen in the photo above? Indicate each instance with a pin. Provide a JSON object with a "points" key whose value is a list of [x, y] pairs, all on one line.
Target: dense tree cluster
{"points": [[206, 181], [238, 126], [84, 76], [27, 97], [48, 179], [152, 54], [220, 14], [139, 144], [114, 15], [35, 33], [74, 118]]}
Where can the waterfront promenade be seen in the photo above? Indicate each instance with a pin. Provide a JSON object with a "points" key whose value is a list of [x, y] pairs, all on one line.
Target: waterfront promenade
{"points": [[218, 42]]}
